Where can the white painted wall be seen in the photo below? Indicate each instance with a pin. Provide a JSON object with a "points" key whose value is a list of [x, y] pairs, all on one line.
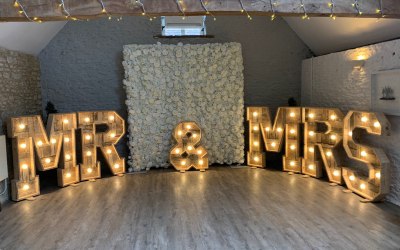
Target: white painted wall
{"points": [[324, 35], [28, 37], [332, 81]]}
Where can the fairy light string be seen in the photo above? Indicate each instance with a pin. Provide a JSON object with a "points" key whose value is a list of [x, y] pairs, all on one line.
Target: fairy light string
{"points": [[243, 9], [204, 5], [356, 5], [17, 4], [331, 5], [180, 8], [64, 9], [273, 5], [305, 16]]}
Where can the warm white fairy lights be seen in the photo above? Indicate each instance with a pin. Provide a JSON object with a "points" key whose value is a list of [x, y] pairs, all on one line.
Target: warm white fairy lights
{"points": [[331, 5], [181, 8], [22, 10], [273, 5], [204, 5], [305, 16], [356, 5], [243, 9]]}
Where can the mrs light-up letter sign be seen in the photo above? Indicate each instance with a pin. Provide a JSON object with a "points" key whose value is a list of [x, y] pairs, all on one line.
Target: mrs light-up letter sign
{"points": [[325, 129], [55, 148]]}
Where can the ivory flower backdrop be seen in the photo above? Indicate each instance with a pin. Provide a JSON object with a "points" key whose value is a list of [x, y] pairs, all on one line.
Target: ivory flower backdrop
{"points": [[167, 84]]}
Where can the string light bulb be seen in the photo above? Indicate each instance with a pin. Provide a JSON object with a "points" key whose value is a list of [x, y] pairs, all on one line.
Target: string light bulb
{"points": [[22, 126], [23, 145], [336, 173], [352, 177], [377, 124], [25, 187], [378, 175], [24, 166], [199, 152]]}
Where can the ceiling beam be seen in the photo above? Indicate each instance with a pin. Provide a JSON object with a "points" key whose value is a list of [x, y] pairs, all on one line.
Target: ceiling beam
{"points": [[50, 10]]}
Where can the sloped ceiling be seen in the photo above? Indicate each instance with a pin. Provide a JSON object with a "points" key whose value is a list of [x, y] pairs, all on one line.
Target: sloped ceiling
{"points": [[28, 37], [324, 35]]}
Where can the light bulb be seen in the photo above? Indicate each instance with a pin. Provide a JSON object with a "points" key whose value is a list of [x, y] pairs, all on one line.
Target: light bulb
{"points": [[111, 118], [363, 153], [23, 145], [292, 114], [47, 160], [364, 119], [87, 119], [292, 131], [255, 114], [89, 170], [273, 144], [24, 166], [194, 135], [350, 133], [66, 139], [378, 175], [267, 129], [68, 157], [311, 149], [311, 115], [256, 143], [352, 177], [279, 130], [333, 137], [329, 153], [116, 165], [255, 128], [179, 132], [190, 147], [88, 153], [311, 167], [188, 126], [292, 163], [177, 151], [88, 137], [199, 152], [53, 141], [39, 143], [68, 175], [25, 187], [333, 117], [362, 186], [109, 151], [256, 159], [66, 121], [292, 147], [377, 124], [183, 163], [311, 133], [112, 135], [22, 126], [201, 162], [336, 173]]}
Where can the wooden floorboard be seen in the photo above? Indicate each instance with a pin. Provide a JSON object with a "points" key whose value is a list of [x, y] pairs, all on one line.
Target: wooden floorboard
{"points": [[222, 208]]}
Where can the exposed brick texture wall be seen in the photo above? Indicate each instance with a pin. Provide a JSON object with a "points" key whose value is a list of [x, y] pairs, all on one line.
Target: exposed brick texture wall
{"points": [[19, 87], [331, 81]]}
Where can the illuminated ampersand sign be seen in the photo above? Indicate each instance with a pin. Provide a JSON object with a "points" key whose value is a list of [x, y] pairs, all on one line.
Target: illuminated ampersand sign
{"points": [[260, 127], [29, 135], [377, 184], [187, 153], [92, 139], [325, 141]]}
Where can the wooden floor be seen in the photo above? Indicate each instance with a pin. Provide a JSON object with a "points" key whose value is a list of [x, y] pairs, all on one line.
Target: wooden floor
{"points": [[222, 208]]}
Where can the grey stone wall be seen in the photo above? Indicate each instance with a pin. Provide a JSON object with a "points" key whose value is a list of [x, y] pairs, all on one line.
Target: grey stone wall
{"points": [[19, 87], [331, 81], [82, 65]]}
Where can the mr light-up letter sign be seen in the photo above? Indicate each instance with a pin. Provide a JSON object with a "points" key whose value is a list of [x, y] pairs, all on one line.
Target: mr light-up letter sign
{"points": [[55, 148], [325, 129]]}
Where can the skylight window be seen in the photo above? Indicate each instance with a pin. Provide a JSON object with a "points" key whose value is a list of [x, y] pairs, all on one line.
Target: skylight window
{"points": [[190, 26]]}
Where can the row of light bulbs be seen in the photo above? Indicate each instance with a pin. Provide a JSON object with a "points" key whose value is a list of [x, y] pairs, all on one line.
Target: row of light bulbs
{"points": [[333, 117], [182, 8]]}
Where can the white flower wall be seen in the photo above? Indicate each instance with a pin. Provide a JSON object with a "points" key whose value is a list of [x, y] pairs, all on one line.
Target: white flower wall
{"points": [[167, 84]]}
